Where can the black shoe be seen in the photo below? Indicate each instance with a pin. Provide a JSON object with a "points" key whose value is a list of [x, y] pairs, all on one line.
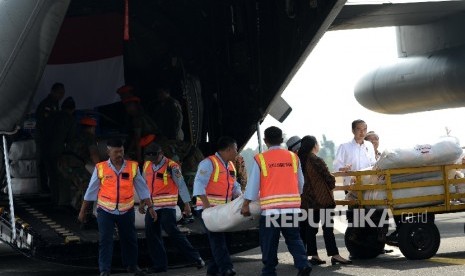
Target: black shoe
{"points": [[212, 274], [136, 270], [305, 271], [229, 272], [104, 273], [316, 261], [393, 239], [385, 251], [335, 261], [200, 263], [152, 270]]}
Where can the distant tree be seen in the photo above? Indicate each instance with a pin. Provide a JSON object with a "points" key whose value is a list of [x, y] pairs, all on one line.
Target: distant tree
{"points": [[327, 152], [248, 155]]}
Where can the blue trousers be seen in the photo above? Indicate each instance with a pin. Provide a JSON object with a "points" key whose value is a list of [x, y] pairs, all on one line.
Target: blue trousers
{"points": [[269, 242], [127, 236], [166, 220], [221, 260]]}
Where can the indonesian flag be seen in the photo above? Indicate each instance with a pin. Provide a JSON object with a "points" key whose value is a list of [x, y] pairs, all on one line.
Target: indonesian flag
{"points": [[88, 59]]}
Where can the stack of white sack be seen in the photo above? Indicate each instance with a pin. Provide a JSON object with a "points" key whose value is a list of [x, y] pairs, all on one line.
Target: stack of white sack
{"points": [[408, 193], [446, 150], [228, 218], [23, 167]]}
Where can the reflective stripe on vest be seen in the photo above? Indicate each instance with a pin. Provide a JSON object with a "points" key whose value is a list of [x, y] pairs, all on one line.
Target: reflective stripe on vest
{"points": [[163, 192], [263, 165], [278, 179], [280, 201], [116, 192], [220, 186]]}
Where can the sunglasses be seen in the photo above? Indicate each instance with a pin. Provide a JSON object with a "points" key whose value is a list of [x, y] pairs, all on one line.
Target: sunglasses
{"points": [[152, 153]]}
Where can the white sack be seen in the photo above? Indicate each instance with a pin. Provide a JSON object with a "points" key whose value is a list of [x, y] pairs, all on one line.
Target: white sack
{"points": [[140, 218], [408, 193], [23, 168], [22, 150], [227, 217], [22, 186], [446, 150]]}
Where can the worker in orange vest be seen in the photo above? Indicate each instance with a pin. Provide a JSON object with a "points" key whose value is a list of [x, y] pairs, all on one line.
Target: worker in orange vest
{"points": [[214, 184], [112, 185], [165, 182], [276, 179]]}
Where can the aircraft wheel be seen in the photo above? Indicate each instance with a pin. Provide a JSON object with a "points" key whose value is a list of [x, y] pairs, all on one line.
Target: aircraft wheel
{"points": [[418, 241]]}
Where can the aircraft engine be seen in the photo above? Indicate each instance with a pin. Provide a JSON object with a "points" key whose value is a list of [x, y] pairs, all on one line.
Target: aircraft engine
{"points": [[415, 84]]}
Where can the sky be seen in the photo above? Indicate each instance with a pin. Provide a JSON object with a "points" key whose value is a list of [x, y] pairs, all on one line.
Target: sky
{"points": [[322, 99]]}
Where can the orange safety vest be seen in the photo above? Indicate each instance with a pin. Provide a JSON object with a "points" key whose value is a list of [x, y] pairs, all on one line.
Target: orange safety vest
{"points": [[116, 190], [220, 186], [163, 189], [278, 179]]}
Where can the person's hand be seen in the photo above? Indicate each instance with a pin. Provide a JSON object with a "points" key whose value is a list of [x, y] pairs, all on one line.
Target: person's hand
{"points": [[245, 210], [346, 168], [142, 208], [82, 217], [187, 210], [153, 213]]}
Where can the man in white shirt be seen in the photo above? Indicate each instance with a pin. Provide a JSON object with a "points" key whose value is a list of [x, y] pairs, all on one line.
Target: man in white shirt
{"points": [[357, 154]]}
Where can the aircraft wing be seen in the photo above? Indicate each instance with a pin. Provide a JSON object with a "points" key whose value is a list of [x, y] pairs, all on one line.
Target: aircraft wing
{"points": [[428, 73], [357, 16]]}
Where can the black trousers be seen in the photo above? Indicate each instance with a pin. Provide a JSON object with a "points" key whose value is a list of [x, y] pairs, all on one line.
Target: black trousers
{"points": [[309, 229]]}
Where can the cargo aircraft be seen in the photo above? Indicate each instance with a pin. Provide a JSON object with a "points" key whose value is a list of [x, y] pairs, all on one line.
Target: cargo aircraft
{"points": [[230, 61]]}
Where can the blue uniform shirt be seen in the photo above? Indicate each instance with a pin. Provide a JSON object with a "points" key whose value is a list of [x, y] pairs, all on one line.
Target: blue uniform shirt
{"points": [[253, 187], [94, 186], [202, 177]]}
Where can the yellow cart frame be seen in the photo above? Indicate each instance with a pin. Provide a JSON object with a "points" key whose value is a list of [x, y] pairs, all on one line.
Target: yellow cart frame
{"points": [[417, 239]]}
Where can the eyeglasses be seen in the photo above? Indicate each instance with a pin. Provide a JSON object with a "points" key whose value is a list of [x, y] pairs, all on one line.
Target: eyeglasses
{"points": [[152, 153]]}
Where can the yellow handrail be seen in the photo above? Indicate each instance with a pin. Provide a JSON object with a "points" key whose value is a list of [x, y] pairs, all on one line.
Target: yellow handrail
{"points": [[369, 180]]}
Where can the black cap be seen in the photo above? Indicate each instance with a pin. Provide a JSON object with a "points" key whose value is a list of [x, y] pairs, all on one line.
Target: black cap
{"points": [[115, 142], [152, 148]]}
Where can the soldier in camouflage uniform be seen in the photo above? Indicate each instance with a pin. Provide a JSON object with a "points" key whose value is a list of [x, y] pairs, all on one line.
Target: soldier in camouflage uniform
{"points": [[166, 111], [239, 163], [63, 125], [79, 160], [44, 130], [140, 125]]}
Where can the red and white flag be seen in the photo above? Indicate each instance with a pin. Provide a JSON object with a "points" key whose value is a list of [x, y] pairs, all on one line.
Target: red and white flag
{"points": [[88, 59]]}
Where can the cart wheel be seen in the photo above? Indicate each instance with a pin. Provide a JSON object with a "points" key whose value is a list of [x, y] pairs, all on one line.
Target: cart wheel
{"points": [[418, 241], [363, 243]]}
